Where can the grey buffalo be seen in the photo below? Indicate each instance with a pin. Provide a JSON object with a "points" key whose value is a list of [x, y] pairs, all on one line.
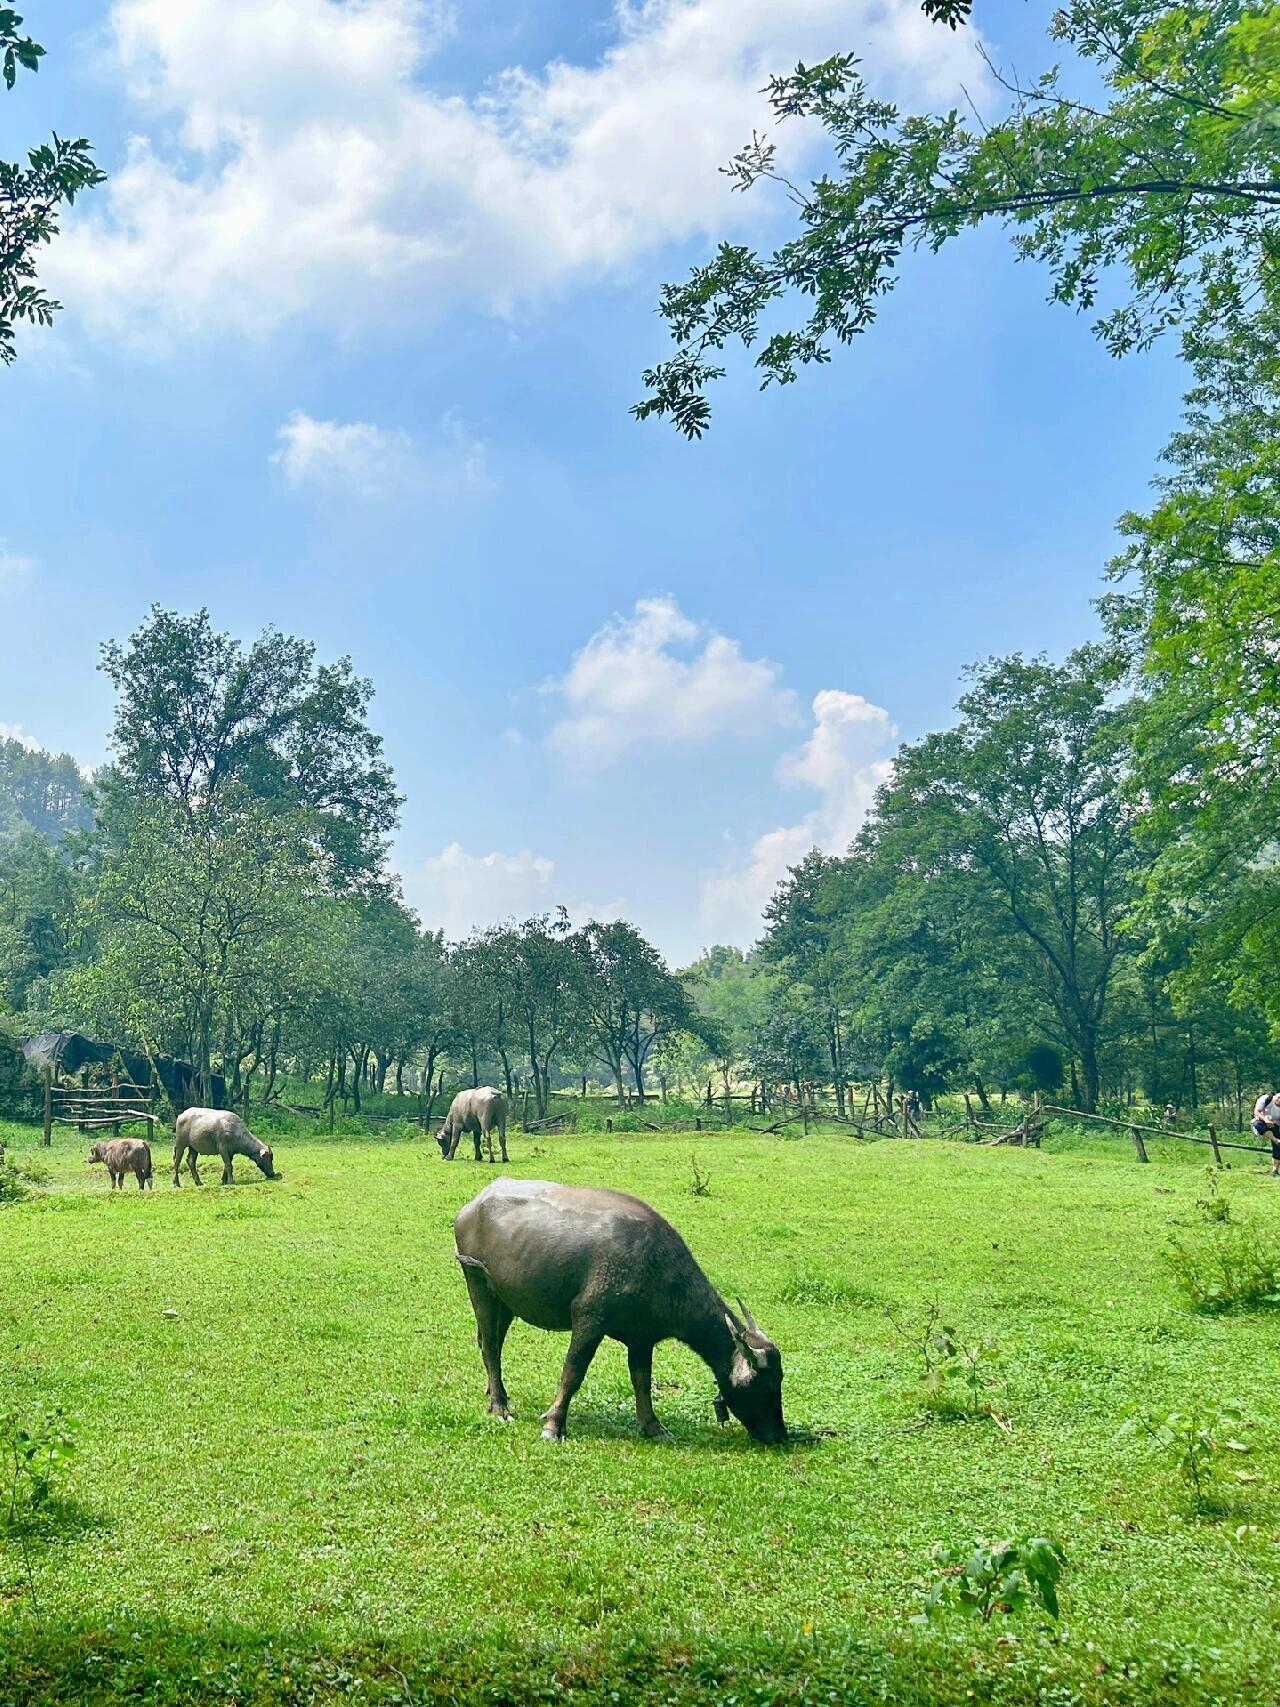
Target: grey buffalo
{"points": [[476, 1112], [125, 1156], [600, 1264], [218, 1132]]}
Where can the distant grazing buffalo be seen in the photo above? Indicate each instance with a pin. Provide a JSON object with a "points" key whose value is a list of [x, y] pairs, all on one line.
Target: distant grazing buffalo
{"points": [[476, 1112], [218, 1132], [125, 1156], [597, 1263]]}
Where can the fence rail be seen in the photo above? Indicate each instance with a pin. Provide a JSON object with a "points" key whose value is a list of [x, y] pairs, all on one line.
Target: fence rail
{"points": [[95, 1108]]}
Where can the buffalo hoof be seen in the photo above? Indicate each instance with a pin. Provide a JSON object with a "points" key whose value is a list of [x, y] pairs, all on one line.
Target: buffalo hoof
{"points": [[655, 1431], [504, 1413], [552, 1430]]}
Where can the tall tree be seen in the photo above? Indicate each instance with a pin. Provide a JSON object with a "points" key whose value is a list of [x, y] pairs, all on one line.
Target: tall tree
{"points": [[803, 938], [630, 1000], [195, 910], [40, 791], [39, 933], [204, 720], [31, 197], [1198, 589], [1027, 792], [543, 988]]}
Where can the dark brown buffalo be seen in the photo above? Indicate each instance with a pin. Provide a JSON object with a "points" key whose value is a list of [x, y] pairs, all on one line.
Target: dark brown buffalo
{"points": [[599, 1264]]}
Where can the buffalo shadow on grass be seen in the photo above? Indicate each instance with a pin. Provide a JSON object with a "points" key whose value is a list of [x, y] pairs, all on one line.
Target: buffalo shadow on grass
{"points": [[600, 1421]]}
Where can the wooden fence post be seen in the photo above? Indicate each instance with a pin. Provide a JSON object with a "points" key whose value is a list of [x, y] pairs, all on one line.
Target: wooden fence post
{"points": [[1138, 1145], [1213, 1139], [48, 1107]]}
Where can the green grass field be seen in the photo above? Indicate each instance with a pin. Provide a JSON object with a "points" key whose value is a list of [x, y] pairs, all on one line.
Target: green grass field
{"points": [[287, 1488]]}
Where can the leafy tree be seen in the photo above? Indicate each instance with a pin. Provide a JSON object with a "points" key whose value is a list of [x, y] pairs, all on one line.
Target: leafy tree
{"points": [[630, 1001], [1198, 586], [38, 927], [41, 791], [733, 992], [193, 913], [31, 197], [786, 1047], [477, 1012], [803, 938], [202, 717], [543, 978], [1171, 177], [1026, 793]]}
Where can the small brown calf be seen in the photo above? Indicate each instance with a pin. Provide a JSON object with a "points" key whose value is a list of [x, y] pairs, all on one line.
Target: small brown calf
{"points": [[124, 1156]]}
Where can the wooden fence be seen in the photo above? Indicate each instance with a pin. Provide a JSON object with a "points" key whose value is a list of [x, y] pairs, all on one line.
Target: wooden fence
{"points": [[93, 1108]]}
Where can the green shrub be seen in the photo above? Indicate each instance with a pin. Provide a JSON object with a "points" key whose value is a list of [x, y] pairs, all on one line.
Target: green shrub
{"points": [[21, 1091], [1213, 1205], [1234, 1268], [956, 1374], [995, 1576], [1193, 1443], [17, 1179]]}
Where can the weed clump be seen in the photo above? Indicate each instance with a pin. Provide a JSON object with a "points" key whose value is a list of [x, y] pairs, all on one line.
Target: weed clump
{"points": [[1193, 1443], [994, 1576], [1234, 1268], [18, 1180], [957, 1375]]}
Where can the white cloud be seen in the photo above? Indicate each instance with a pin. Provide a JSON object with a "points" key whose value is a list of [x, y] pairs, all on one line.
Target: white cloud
{"points": [[14, 567], [845, 759], [656, 678], [457, 892], [295, 161], [376, 462], [15, 732]]}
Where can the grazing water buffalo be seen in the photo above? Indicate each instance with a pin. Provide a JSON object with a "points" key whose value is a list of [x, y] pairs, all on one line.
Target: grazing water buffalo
{"points": [[476, 1112], [125, 1156], [218, 1132], [599, 1264]]}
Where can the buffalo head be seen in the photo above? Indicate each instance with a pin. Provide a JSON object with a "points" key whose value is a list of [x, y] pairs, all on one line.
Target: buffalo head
{"points": [[753, 1391], [445, 1141], [267, 1162]]}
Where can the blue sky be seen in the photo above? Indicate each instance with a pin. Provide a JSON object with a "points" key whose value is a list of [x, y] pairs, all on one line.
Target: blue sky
{"points": [[348, 348]]}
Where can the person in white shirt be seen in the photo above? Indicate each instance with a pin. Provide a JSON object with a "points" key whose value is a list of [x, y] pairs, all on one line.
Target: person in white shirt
{"points": [[1266, 1123]]}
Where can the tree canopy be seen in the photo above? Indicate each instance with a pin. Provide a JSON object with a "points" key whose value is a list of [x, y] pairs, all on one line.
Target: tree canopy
{"points": [[1170, 179]]}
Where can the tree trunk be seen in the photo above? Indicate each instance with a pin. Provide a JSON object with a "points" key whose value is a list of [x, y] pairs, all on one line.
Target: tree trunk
{"points": [[1089, 1073], [1191, 1063], [361, 1062]]}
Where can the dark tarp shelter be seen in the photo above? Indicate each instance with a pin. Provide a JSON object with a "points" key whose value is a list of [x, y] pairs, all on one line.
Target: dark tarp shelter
{"points": [[66, 1052]]}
